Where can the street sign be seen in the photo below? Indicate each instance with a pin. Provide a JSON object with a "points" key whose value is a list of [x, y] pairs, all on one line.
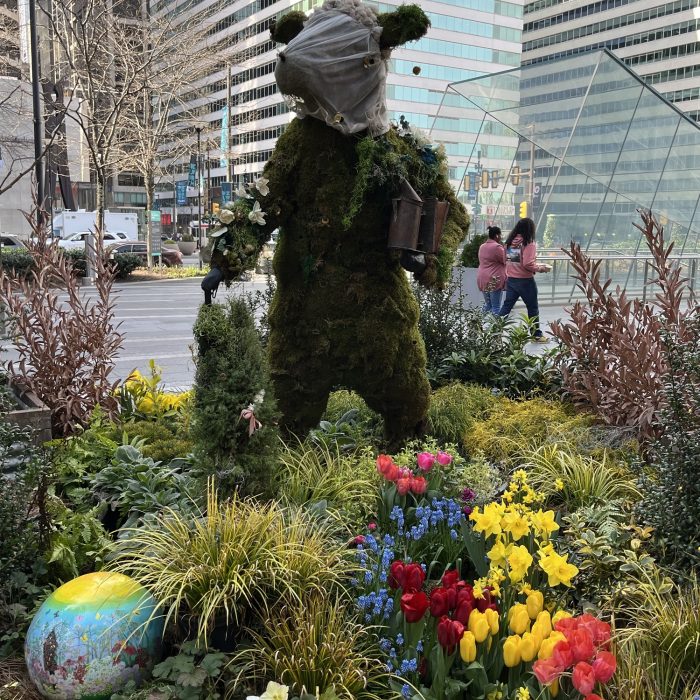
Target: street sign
{"points": [[155, 215]]}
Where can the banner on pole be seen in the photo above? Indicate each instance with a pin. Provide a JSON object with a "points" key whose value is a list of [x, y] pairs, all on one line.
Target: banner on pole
{"points": [[192, 174], [181, 193], [223, 160], [226, 192]]}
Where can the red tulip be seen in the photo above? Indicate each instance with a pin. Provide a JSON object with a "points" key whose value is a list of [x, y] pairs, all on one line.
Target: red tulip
{"points": [[546, 670], [566, 625], [414, 605], [413, 577], [599, 630], [403, 485], [449, 632], [450, 578], [425, 461], [387, 468], [583, 678], [563, 655], [464, 604], [581, 644], [418, 485], [593, 696], [439, 602], [485, 602], [604, 666], [396, 574]]}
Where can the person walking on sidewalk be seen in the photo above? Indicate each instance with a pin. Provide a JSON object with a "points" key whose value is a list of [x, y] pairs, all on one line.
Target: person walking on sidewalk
{"points": [[521, 267], [491, 277]]}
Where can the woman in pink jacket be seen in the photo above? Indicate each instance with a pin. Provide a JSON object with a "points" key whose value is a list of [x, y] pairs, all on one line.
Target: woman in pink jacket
{"points": [[521, 254], [491, 277]]}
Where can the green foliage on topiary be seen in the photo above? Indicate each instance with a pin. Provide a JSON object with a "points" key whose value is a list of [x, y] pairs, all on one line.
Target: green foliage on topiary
{"points": [[287, 27], [406, 23], [455, 408], [231, 376], [470, 252]]}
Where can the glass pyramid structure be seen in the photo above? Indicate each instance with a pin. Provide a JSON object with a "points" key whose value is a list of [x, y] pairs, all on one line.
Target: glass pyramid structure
{"points": [[584, 140]]}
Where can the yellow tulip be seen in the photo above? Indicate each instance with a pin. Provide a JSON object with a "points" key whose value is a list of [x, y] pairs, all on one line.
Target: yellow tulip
{"points": [[467, 647], [535, 604], [547, 646], [519, 620], [528, 647], [560, 615], [511, 651], [545, 621], [493, 619], [479, 625], [554, 688]]}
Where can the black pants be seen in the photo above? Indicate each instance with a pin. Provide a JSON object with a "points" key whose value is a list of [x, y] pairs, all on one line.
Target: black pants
{"points": [[525, 289]]}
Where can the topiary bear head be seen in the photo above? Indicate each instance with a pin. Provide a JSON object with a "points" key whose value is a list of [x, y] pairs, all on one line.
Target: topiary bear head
{"points": [[334, 65]]}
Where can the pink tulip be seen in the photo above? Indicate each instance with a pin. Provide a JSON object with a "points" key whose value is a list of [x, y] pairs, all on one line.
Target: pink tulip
{"points": [[425, 461], [443, 458]]}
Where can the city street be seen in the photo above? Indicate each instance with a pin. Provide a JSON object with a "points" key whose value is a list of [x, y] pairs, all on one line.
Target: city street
{"points": [[157, 318]]}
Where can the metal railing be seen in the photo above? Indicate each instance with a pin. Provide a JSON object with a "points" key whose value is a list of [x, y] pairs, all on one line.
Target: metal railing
{"points": [[633, 273]]}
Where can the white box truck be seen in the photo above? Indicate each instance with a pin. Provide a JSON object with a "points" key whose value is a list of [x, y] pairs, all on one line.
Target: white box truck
{"points": [[66, 223]]}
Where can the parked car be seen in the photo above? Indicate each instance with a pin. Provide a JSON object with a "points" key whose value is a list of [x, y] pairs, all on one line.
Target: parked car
{"points": [[171, 258], [77, 240], [9, 242]]}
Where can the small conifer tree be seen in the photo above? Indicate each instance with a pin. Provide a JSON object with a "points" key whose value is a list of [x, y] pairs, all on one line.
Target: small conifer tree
{"points": [[232, 381]]}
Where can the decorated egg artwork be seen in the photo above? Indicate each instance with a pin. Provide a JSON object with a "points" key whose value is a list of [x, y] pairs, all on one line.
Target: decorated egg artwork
{"points": [[92, 636]]}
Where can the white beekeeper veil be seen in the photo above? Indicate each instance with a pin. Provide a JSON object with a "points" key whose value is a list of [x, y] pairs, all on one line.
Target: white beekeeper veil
{"points": [[333, 70]]}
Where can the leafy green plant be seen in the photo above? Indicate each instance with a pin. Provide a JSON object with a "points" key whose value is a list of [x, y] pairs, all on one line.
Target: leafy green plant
{"points": [[233, 419], [231, 563], [366, 423], [672, 488], [134, 485], [470, 252], [314, 647], [454, 408], [258, 303], [191, 674], [310, 474], [576, 481]]}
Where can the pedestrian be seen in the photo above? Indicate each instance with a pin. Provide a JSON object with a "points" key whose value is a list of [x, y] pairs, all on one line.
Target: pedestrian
{"points": [[491, 277], [521, 267]]}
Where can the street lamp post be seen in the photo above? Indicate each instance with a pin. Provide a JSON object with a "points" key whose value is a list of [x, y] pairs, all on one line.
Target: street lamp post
{"points": [[36, 113], [198, 129]]}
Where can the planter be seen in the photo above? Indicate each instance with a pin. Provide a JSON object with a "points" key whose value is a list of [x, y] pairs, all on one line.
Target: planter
{"points": [[187, 247], [465, 287], [407, 210], [30, 413]]}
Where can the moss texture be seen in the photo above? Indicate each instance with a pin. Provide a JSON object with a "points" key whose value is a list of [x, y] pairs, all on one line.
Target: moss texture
{"points": [[344, 314], [287, 27], [407, 23]]}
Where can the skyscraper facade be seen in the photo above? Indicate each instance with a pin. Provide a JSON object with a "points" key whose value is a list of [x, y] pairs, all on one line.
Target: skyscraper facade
{"points": [[658, 40], [467, 38]]}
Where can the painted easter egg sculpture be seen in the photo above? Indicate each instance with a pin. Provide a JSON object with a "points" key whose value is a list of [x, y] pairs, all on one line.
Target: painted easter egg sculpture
{"points": [[92, 636]]}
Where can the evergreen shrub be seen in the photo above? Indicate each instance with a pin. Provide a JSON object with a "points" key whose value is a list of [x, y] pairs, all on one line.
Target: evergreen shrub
{"points": [[470, 252], [231, 375]]}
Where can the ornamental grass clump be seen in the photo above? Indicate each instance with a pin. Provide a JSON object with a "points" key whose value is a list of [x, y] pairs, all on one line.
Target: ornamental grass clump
{"points": [[231, 564], [315, 647]]}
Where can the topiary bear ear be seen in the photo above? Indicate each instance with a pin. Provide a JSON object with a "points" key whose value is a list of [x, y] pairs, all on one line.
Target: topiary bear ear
{"points": [[287, 27], [406, 23]]}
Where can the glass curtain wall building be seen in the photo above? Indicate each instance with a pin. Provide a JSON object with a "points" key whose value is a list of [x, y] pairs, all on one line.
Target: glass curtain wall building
{"points": [[468, 38], [591, 144]]}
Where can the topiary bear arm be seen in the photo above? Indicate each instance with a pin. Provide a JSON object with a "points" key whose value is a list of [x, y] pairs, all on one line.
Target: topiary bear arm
{"points": [[284, 29], [406, 23]]}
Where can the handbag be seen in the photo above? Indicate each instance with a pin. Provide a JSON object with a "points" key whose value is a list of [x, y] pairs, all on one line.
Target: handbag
{"points": [[493, 284]]}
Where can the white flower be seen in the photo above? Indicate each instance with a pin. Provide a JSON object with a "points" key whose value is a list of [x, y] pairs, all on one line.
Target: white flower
{"points": [[261, 186], [257, 215], [242, 192], [259, 397], [275, 691], [218, 231], [226, 217]]}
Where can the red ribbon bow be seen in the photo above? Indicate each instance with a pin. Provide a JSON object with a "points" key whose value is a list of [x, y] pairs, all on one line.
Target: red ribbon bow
{"points": [[253, 423]]}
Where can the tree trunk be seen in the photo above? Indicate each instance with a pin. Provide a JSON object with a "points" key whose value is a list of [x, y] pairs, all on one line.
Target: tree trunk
{"points": [[99, 208], [149, 182]]}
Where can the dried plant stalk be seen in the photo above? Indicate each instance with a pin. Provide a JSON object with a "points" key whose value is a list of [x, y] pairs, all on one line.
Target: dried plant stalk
{"points": [[66, 341], [614, 355]]}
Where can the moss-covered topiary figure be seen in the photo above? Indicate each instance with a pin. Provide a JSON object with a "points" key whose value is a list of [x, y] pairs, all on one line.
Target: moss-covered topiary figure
{"points": [[344, 314]]}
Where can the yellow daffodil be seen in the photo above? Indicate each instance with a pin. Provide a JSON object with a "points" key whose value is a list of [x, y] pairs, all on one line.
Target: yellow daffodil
{"points": [[498, 553], [467, 647], [518, 619], [543, 522], [511, 651], [479, 625], [519, 561], [516, 524], [528, 647], [522, 693], [558, 569], [488, 522], [535, 604], [558, 484], [493, 619], [275, 691]]}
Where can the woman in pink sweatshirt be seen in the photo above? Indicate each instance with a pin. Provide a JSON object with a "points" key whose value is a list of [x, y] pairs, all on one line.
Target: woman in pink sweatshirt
{"points": [[521, 254], [491, 277]]}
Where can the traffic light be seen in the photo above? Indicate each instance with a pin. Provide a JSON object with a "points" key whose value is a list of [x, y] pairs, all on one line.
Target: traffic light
{"points": [[215, 208], [523, 210], [485, 178], [515, 176]]}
